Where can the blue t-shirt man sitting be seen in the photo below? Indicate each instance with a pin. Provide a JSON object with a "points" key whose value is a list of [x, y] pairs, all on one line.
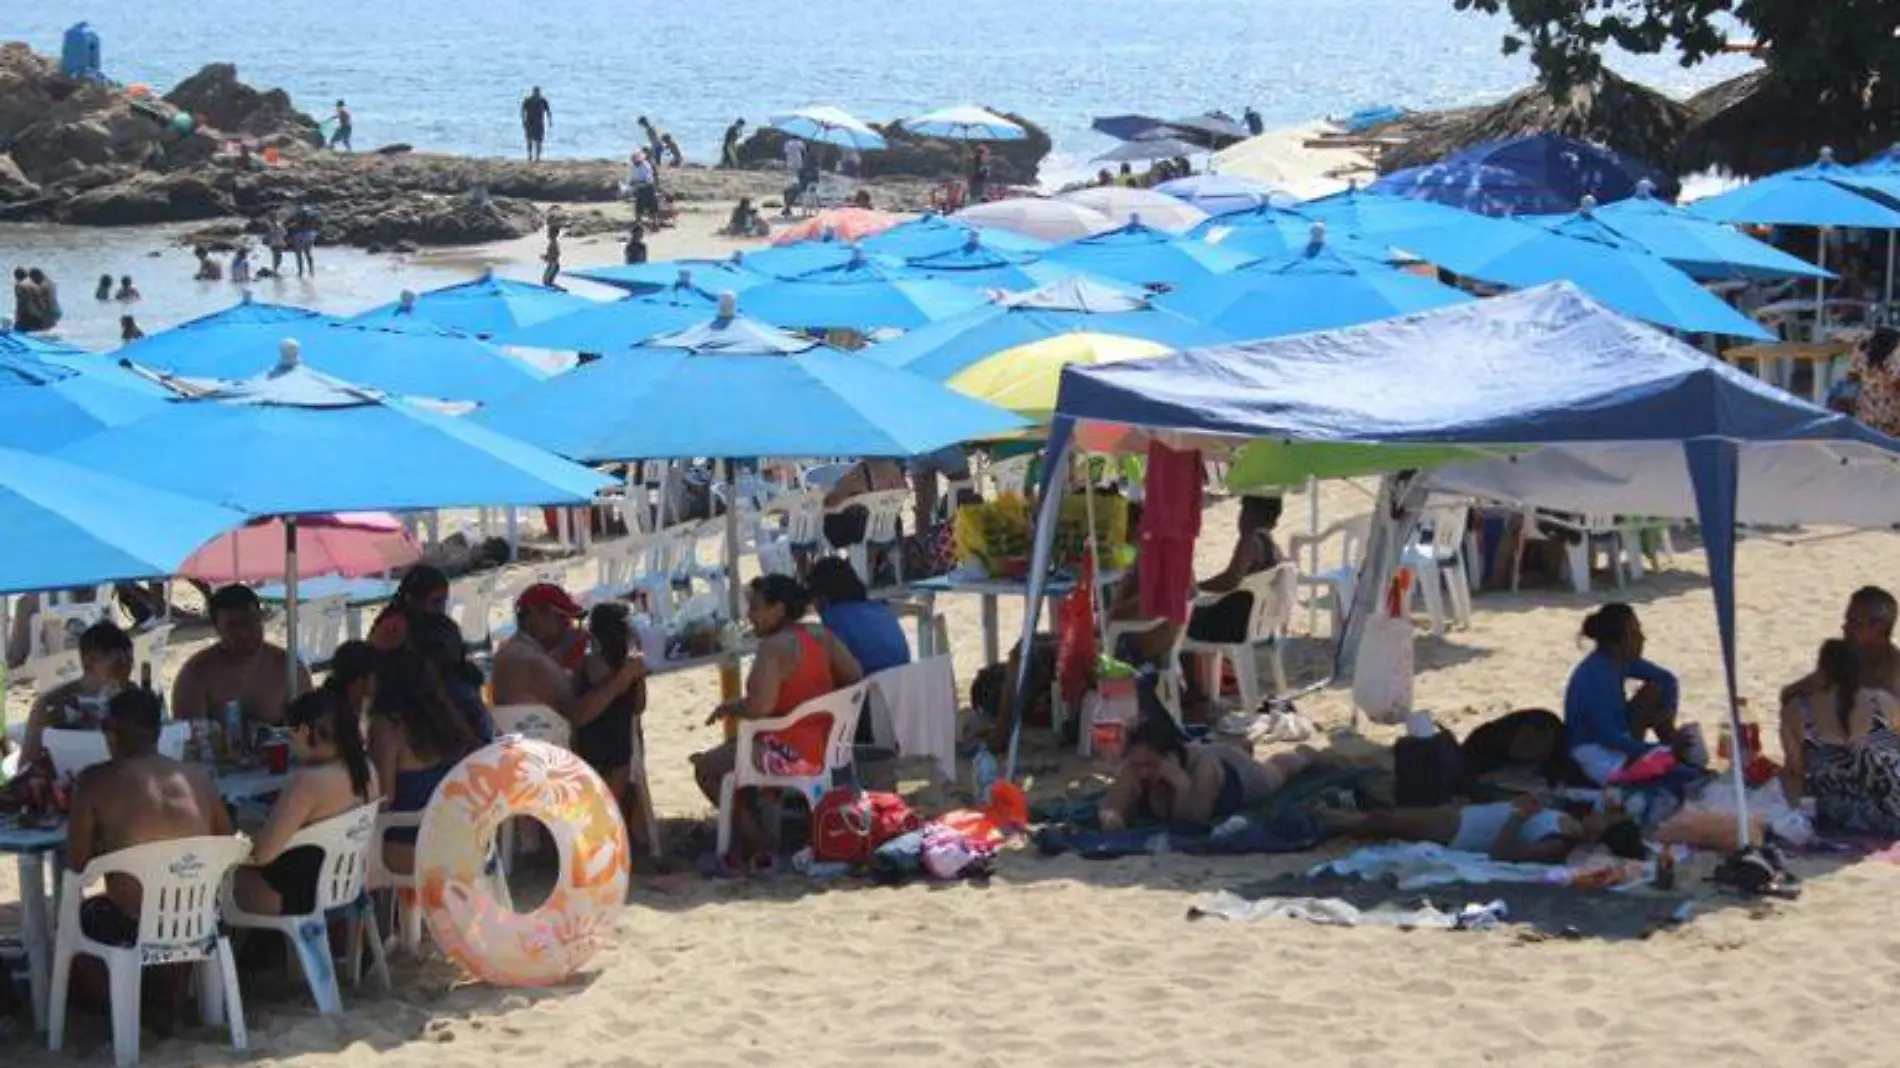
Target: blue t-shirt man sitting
{"points": [[1604, 726], [868, 628]]}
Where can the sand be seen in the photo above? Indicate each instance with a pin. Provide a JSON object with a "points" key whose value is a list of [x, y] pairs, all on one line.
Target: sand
{"points": [[1065, 962]]}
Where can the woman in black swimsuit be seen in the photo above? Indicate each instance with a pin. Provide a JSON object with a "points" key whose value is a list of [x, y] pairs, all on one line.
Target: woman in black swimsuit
{"points": [[608, 741], [333, 777]]}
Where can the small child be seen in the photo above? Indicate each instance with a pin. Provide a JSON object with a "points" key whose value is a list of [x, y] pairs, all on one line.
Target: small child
{"points": [[129, 329], [241, 265], [552, 257], [127, 291]]}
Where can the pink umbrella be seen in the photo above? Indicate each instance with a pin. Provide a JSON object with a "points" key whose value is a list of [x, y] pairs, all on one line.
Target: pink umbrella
{"points": [[350, 544]]}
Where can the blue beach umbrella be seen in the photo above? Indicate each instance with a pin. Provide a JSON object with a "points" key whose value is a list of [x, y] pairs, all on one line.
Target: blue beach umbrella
{"points": [[931, 234], [64, 525], [408, 356], [965, 123], [1618, 272], [975, 265], [607, 328], [804, 257], [1079, 305], [829, 126], [730, 275], [1386, 219], [1816, 195], [486, 307], [45, 405], [1475, 187], [1702, 249], [38, 349], [1317, 288], [1570, 168], [1144, 256], [862, 294], [1268, 231], [1218, 194], [737, 387]]}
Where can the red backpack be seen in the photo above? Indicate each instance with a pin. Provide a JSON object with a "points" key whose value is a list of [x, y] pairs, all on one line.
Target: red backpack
{"points": [[848, 826]]}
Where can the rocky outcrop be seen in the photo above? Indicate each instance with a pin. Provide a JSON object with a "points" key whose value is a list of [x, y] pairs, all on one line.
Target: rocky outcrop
{"points": [[911, 156], [215, 97], [429, 219], [148, 198], [15, 187]]}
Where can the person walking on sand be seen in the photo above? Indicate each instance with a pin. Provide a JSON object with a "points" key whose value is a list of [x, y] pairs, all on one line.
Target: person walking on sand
{"points": [[341, 135], [537, 115], [552, 257], [729, 151]]}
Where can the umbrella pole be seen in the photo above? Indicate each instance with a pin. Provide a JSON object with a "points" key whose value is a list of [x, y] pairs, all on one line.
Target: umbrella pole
{"points": [[513, 527], [1887, 305], [729, 669], [290, 608], [1820, 291]]}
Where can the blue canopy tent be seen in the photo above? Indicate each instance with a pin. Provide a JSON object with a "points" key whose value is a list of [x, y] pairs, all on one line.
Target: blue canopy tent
{"points": [[1599, 413], [940, 350], [406, 356], [1270, 231], [1218, 194], [38, 349], [730, 275], [487, 307]]}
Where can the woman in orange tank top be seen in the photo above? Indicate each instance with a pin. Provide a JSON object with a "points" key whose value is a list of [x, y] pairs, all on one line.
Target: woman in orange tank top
{"points": [[795, 663]]}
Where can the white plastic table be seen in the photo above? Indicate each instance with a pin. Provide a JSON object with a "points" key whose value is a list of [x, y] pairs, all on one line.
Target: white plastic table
{"points": [[925, 592], [358, 594], [30, 847]]}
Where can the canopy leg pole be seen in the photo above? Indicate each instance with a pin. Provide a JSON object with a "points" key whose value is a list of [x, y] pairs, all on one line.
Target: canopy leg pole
{"points": [[729, 669], [1312, 551], [512, 524], [291, 662]]}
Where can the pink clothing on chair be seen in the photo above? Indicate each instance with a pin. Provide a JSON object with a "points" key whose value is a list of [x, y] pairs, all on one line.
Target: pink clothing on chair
{"points": [[1170, 521]]}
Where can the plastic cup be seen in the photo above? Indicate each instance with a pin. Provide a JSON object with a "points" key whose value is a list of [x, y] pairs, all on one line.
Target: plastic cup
{"points": [[277, 756]]}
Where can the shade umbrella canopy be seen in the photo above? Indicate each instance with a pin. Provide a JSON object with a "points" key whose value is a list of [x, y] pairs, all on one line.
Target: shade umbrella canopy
{"points": [[931, 234], [1125, 127], [1207, 129], [45, 405], [1571, 168], [408, 357], [1079, 305], [1368, 214], [1145, 256], [489, 306], [1317, 288], [977, 266], [862, 294], [293, 442], [821, 253], [352, 544], [829, 126], [1218, 194], [1157, 209], [1268, 232], [1475, 187], [65, 525], [965, 123], [737, 387], [1814, 195], [843, 224], [1024, 379], [606, 328], [41, 349], [729, 275], [1146, 149], [1577, 248], [1037, 218], [1698, 247]]}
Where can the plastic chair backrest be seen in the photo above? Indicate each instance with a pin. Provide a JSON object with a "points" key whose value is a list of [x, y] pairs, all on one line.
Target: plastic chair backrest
{"points": [[149, 646], [320, 628], [1448, 530], [73, 751], [535, 722], [468, 608], [804, 517], [886, 508], [844, 706], [1011, 475], [179, 880], [346, 841], [1274, 591]]}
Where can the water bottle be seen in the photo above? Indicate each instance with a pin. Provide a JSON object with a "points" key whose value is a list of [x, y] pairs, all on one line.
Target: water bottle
{"points": [[983, 773]]}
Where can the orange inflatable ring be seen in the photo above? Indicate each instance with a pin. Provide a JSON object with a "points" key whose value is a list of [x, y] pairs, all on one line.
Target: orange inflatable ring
{"points": [[518, 777]]}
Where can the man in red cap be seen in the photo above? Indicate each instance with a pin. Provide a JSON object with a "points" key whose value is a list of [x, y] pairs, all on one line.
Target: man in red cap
{"points": [[532, 668]]}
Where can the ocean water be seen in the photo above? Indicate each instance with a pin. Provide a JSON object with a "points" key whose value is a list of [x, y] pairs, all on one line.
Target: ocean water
{"points": [[449, 74]]}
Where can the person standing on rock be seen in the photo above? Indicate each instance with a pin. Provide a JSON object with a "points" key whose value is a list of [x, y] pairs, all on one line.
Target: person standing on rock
{"points": [[537, 116], [341, 135], [729, 152]]}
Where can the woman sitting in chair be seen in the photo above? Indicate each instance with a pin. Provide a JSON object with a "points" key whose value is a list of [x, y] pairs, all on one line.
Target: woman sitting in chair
{"points": [[105, 660], [416, 737], [794, 664], [1163, 779], [333, 776]]}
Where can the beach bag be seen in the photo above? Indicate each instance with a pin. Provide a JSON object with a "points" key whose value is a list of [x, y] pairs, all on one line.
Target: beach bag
{"points": [[1382, 672], [847, 827]]}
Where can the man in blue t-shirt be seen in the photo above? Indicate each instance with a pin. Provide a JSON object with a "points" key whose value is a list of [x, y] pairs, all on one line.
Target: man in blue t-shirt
{"points": [[868, 628]]}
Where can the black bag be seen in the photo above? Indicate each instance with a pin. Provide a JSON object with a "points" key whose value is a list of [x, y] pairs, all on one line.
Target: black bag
{"points": [[987, 689], [1428, 771]]}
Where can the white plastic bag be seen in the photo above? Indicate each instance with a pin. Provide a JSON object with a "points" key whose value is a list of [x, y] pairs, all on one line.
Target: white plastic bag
{"points": [[1382, 674]]}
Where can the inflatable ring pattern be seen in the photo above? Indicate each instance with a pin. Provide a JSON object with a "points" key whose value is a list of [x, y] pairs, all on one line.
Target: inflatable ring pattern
{"points": [[484, 934]]}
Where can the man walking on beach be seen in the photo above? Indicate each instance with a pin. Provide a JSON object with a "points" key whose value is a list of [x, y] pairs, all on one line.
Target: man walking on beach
{"points": [[729, 152], [536, 116], [341, 135]]}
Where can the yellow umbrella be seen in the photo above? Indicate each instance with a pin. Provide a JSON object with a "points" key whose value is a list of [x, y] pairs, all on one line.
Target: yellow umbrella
{"points": [[1024, 379]]}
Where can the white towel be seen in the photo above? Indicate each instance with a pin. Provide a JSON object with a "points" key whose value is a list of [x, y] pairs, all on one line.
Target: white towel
{"points": [[914, 709]]}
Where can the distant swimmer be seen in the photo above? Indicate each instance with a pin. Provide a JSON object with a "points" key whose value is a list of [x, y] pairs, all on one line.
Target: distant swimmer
{"points": [[537, 116]]}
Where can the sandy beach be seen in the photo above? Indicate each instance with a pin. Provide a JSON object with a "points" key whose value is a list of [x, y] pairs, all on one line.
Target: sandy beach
{"points": [[1070, 962]]}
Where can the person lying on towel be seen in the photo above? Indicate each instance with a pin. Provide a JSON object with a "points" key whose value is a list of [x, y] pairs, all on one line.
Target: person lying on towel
{"points": [[1605, 726], [1524, 831], [1163, 779]]}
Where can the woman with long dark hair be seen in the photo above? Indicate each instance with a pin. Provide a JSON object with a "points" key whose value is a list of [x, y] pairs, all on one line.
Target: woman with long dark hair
{"points": [[423, 591], [439, 641], [612, 740], [1878, 373], [416, 737], [1166, 780], [1606, 726], [1840, 747], [333, 776]]}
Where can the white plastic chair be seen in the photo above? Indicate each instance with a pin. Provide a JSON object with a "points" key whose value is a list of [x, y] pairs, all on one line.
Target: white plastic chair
{"points": [[501, 605], [1274, 592], [73, 751], [178, 924], [843, 706], [1335, 583], [1011, 475], [537, 723], [405, 918], [347, 842], [468, 607], [1593, 533], [1170, 687], [320, 626], [884, 511], [1440, 566]]}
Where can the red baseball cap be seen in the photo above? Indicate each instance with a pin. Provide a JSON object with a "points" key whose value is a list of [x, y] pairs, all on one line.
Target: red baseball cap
{"points": [[548, 595]]}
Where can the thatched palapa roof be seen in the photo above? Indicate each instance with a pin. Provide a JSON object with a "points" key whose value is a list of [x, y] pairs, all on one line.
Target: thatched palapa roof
{"points": [[1758, 124], [1610, 110]]}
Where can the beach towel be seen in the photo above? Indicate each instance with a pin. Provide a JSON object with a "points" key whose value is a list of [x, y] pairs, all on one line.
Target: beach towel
{"points": [[1170, 521], [1293, 833]]}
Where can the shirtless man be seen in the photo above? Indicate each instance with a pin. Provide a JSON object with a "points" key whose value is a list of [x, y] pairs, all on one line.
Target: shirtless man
{"points": [[239, 666], [1868, 628], [529, 667], [136, 797]]}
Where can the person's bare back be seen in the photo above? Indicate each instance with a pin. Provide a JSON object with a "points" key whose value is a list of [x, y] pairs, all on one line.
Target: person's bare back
{"points": [[139, 800]]}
